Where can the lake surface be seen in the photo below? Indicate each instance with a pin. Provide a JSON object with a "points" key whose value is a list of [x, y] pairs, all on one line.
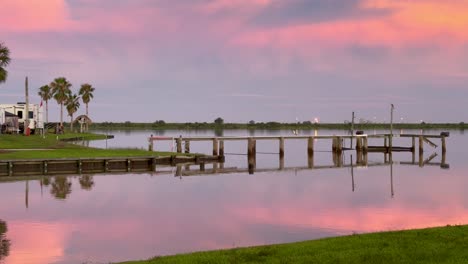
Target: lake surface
{"points": [[102, 218]]}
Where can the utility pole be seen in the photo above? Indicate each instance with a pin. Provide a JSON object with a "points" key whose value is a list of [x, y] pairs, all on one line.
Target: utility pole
{"points": [[26, 114], [391, 131], [352, 130]]}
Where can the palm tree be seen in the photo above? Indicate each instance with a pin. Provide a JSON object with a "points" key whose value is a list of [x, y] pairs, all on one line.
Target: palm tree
{"points": [[45, 92], [86, 92], [4, 61], [61, 91], [72, 103]]}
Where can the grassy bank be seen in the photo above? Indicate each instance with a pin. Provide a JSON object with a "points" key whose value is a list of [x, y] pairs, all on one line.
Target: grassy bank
{"points": [[433, 245], [53, 146]]}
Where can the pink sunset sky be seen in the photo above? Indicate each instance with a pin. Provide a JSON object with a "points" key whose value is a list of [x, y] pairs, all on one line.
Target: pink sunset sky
{"points": [[262, 60]]}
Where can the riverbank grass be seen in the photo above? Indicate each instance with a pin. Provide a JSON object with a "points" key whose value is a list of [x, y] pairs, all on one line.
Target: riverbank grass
{"points": [[433, 245], [52, 146]]}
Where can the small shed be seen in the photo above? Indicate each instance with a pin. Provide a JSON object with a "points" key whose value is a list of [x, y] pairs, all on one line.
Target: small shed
{"points": [[10, 124], [84, 122]]}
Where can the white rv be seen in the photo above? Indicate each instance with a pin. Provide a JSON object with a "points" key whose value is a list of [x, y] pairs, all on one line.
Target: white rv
{"points": [[19, 109]]}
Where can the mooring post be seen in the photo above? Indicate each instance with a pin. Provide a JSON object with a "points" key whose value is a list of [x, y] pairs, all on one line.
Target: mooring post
{"points": [[106, 165], [251, 154], [359, 144], [10, 168], [215, 167], [421, 144], [221, 148], [444, 146], [150, 146], [281, 153], [178, 170], [153, 164], [281, 147], [215, 146], [187, 146], [45, 167], [365, 145], [129, 165], [421, 159], [310, 152], [202, 166], [339, 145], [179, 144]]}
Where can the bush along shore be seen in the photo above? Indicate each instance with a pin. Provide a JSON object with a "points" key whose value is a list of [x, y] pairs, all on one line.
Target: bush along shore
{"points": [[58, 146], [161, 125], [433, 245]]}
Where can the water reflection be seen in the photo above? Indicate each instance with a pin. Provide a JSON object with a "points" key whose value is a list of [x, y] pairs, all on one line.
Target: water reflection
{"points": [[86, 182], [61, 187], [4, 242]]}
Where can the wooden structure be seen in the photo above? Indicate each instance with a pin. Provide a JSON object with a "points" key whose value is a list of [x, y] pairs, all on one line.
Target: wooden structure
{"points": [[337, 146], [95, 165], [84, 122]]}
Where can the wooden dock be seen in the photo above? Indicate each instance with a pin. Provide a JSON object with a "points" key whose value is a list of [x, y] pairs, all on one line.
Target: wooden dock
{"points": [[337, 145], [96, 165]]}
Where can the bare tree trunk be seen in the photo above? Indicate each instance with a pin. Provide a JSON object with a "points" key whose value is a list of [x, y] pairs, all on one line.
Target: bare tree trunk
{"points": [[47, 111], [61, 114]]}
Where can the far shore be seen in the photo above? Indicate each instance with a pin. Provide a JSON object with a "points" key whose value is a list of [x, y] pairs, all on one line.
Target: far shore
{"points": [[161, 125]]}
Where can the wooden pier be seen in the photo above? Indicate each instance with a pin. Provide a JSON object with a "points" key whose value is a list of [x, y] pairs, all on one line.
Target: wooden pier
{"points": [[361, 147], [9, 168]]}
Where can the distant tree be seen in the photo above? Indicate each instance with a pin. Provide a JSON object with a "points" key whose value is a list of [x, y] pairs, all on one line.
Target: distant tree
{"points": [[61, 91], [307, 123], [4, 61], [61, 187], [251, 122], [159, 122], [219, 121], [73, 104], [45, 92]]}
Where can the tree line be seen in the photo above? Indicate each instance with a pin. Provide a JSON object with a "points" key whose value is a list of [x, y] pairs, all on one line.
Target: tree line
{"points": [[60, 90]]}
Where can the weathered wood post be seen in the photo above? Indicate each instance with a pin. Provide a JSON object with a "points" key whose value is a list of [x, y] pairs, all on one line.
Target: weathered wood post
{"points": [[187, 146], [202, 166], [215, 167], [179, 144], [421, 159], [281, 153], [215, 146], [10, 168], [413, 144], [129, 165], [44, 166], [359, 144], [178, 170], [365, 145], [421, 144], [153, 164], [150, 146], [310, 152], [251, 154], [221, 148], [444, 146]]}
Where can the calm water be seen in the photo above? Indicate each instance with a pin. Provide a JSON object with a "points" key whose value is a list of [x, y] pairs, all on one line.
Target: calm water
{"points": [[104, 218]]}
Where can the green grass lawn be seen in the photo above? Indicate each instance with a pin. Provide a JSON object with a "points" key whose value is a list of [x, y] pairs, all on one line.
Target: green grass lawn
{"points": [[434, 245], [50, 147]]}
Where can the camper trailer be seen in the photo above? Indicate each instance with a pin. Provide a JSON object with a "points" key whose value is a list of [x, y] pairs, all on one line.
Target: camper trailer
{"points": [[9, 111]]}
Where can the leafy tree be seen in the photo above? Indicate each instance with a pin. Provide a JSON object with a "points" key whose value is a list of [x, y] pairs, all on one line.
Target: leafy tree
{"points": [[86, 93], [73, 104], [61, 91], [4, 61], [61, 187], [219, 121], [45, 92], [251, 122]]}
